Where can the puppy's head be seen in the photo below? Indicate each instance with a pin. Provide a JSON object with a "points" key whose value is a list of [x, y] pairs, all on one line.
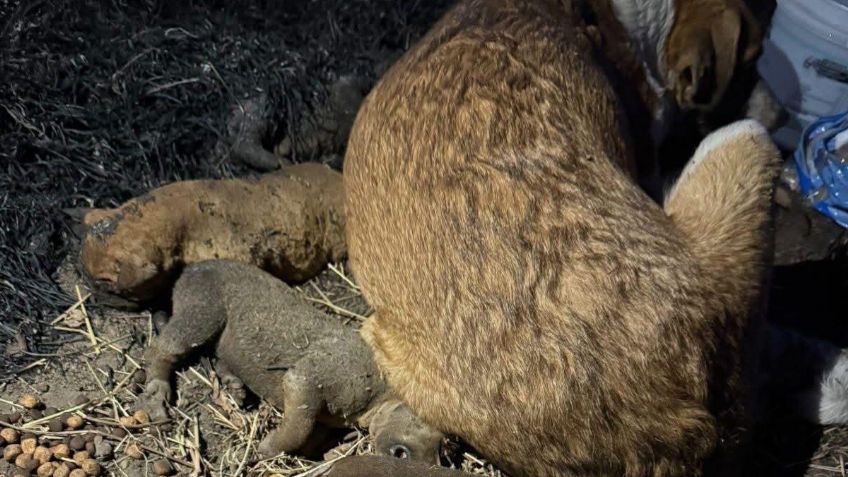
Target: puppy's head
{"points": [[400, 433], [120, 258], [709, 41]]}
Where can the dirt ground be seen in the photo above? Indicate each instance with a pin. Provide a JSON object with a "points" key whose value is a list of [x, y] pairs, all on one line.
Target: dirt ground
{"points": [[101, 101], [95, 374]]}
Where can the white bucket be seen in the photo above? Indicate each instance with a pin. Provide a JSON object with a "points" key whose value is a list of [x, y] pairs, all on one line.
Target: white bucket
{"points": [[805, 62]]}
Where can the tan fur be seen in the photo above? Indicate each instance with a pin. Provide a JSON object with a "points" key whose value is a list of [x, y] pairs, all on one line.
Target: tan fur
{"points": [[289, 223], [528, 296], [708, 42]]}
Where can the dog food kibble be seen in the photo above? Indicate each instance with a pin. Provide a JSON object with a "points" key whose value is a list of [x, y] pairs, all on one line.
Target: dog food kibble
{"points": [[141, 416], [62, 470], [134, 452], [14, 417], [81, 456], [74, 422], [26, 462], [162, 467], [11, 452], [28, 401], [45, 470], [77, 443], [55, 425], [89, 447], [78, 473], [91, 467], [42, 454], [11, 436], [28, 444], [127, 421], [61, 451]]}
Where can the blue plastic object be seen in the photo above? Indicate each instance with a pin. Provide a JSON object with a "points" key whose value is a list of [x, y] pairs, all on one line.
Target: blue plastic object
{"points": [[821, 160]]}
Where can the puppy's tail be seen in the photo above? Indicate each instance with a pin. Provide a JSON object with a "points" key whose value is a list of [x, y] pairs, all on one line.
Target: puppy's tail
{"points": [[722, 205]]}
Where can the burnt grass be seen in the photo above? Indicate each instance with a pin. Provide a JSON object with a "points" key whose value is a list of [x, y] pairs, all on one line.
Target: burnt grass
{"points": [[103, 100]]}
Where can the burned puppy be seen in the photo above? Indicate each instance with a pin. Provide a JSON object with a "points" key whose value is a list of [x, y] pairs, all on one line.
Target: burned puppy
{"points": [[290, 223], [297, 358]]}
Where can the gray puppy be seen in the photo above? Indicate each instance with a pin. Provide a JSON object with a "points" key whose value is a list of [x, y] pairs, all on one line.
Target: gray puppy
{"points": [[296, 357]]}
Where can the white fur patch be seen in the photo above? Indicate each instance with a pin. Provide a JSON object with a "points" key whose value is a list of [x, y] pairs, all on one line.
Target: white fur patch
{"points": [[830, 404], [648, 24], [716, 139]]}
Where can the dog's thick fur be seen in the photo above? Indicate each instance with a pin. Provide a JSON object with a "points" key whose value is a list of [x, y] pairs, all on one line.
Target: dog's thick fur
{"points": [[529, 297]]}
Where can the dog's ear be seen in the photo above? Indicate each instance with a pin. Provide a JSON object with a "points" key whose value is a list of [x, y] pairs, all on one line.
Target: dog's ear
{"points": [[706, 47], [725, 33], [737, 41], [77, 222], [83, 218]]}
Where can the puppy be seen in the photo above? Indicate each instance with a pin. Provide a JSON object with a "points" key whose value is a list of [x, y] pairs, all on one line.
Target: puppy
{"points": [[301, 360]]}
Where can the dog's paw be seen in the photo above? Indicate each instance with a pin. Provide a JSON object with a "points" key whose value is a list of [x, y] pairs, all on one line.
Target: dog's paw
{"points": [[235, 387], [156, 395]]}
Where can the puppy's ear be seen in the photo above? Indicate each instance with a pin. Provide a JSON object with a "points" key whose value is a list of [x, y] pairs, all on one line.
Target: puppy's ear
{"points": [[705, 48], [77, 215]]}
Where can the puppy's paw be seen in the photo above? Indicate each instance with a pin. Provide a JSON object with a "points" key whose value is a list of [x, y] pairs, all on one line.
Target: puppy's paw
{"points": [[156, 395], [269, 446], [235, 387]]}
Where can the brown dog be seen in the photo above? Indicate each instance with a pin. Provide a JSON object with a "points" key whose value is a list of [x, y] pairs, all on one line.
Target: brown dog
{"points": [[529, 297]]}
